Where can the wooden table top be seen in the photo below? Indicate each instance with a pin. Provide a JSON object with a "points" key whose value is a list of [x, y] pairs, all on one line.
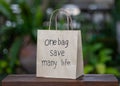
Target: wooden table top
{"points": [[86, 80]]}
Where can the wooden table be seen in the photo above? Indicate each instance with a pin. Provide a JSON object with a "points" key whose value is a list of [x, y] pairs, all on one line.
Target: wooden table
{"points": [[86, 80]]}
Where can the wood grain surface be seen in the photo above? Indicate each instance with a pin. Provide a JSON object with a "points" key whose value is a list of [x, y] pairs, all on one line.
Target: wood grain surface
{"points": [[86, 80]]}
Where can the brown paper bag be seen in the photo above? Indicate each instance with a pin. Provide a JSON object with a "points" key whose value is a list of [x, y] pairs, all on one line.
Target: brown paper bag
{"points": [[59, 54]]}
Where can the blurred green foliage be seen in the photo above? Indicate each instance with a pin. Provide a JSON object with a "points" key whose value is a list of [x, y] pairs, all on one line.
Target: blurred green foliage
{"points": [[26, 22], [98, 49], [97, 57], [100, 44]]}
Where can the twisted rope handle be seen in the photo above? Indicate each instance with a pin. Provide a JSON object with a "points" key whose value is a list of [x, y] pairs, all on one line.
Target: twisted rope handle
{"points": [[67, 15]]}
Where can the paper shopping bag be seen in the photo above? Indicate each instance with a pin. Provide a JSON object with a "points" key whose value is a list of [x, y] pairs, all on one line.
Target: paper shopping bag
{"points": [[59, 54]]}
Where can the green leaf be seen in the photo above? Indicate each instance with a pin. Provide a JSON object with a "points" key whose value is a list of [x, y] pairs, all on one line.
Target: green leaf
{"points": [[88, 69], [106, 52], [6, 10], [3, 64], [9, 70], [38, 17], [96, 47], [111, 70], [14, 51], [93, 59], [27, 18], [100, 68], [105, 55]]}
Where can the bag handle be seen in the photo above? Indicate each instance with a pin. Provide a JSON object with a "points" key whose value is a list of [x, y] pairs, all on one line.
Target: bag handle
{"points": [[67, 15], [68, 21]]}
